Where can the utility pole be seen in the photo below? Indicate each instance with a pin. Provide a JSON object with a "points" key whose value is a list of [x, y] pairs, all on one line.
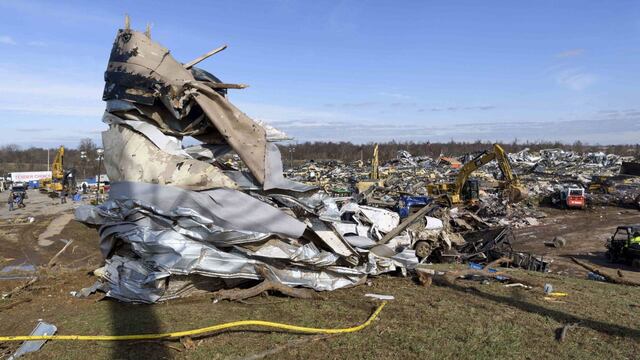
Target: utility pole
{"points": [[48, 160], [83, 159], [291, 150]]}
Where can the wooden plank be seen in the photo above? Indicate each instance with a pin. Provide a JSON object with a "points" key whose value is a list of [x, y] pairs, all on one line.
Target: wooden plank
{"points": [[403, 225], [192, 63]]}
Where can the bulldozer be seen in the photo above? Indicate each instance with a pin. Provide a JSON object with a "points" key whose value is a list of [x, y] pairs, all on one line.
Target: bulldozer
{"points": [[464, 189]]}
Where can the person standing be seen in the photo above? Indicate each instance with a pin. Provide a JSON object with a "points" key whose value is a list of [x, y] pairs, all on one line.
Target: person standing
{"points": [[63, 196], [10, 202]]}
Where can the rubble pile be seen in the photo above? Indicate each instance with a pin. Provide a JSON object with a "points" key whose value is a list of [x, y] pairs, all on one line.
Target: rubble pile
{"points": [[550, 170], [408, 176], [560, 162], [544, 174]]}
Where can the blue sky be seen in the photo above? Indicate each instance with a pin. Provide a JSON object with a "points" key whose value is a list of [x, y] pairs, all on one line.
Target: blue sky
{"points": [[345, 70]]}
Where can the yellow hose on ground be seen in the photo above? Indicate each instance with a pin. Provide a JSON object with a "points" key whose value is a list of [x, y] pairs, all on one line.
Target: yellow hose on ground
{"points": [[179, 334]]}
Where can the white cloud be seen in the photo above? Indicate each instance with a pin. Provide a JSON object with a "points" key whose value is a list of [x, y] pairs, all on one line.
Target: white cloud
{"points": [[456, 108], [276, 114], [340, 124], [37, 43], [60, 12], [570, 53], [44, 93], [619, 131], [575, 79], [37, 108], [396, 95], [7, 40]]}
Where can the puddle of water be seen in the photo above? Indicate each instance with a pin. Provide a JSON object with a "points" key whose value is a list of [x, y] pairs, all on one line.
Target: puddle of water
{"points": [[18, 268], [15, 277], [17, 272]]}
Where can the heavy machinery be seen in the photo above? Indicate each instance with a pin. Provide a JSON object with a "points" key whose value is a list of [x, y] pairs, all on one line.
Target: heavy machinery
{"points": [[44, 184], [620, 246], [572, 197], [464, 189], [54, 185], [601, 184], [69, 181], [374, 176]]}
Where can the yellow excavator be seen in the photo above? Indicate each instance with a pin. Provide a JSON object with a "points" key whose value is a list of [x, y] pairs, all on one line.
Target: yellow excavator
{"points": [[374, 176], [461, 189], [54, 185]]}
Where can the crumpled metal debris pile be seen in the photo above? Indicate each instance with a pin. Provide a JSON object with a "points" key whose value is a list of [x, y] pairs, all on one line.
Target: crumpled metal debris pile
{"points": [[180, 220], [548, 171], [544, 174], [569, 163], [408, 176]]}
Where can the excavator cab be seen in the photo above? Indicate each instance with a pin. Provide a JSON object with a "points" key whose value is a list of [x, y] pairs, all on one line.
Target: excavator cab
{"points": [[471, 190]]}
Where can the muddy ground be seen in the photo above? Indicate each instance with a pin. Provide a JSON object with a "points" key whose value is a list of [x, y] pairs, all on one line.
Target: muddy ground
{"points": [[466, 321], [585, 232]]}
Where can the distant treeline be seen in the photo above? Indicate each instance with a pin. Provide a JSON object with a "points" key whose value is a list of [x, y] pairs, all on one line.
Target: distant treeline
{"points": [[347, 151], [13, 158]]}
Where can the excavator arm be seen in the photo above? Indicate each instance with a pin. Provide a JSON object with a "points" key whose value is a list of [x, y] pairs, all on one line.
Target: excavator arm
{"points": [[514, 191], [375, 164], [469, 168], [504, 164], [54, 185], [374, 175], [57, 168]]}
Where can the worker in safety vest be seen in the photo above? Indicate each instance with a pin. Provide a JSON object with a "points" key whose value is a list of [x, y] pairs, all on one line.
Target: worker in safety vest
{"points": [[635, 240]]}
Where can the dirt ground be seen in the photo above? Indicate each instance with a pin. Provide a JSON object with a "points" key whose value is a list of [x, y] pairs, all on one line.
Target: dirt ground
{"points": [[36, 204], [585, 232], [32, 235], [467, 321]]}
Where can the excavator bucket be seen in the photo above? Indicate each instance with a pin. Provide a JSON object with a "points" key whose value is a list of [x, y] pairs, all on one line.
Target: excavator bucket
{"points": [[516, 193]]}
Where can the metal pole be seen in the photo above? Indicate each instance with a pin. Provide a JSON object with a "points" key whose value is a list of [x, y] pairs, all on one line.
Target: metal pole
{"points": [[100, 154], [291, 157], [83, 159], [48, 160], [98, 191]]}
